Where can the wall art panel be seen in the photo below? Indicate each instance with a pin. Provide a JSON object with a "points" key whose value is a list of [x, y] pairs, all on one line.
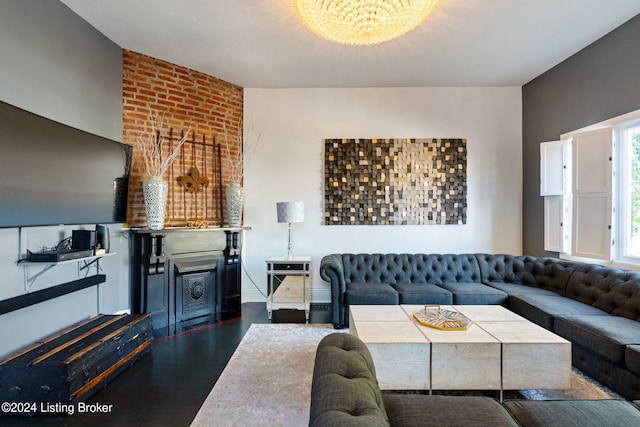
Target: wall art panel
{"points": [[395, 181]]}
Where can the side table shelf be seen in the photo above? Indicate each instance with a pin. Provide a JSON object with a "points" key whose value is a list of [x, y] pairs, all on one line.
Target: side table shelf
{"points": [[289, 284]]}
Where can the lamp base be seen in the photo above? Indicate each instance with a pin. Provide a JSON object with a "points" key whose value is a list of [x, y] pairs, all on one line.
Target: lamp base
{"points": [[289, 245]]}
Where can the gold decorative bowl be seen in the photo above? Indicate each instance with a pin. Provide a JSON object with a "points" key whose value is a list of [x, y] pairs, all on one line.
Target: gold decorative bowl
{"points": [[446, 320]]}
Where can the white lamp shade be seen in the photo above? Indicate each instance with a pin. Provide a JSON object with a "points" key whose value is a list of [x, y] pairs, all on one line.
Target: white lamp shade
{"points": [[290, 211]]}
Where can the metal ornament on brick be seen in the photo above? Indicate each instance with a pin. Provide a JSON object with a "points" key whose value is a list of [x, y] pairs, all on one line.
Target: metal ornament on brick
{"points": [[290, 212], [155, 202]]}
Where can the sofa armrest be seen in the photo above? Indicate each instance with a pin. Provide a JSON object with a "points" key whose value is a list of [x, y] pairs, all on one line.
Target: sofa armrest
{"points": [[332, 270]]}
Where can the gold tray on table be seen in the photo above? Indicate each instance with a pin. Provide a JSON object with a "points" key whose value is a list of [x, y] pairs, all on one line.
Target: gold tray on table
{"points": [[447, 320]]}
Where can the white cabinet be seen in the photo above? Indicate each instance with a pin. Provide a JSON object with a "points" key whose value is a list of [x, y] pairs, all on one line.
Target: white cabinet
{"points": [[555, 160]]}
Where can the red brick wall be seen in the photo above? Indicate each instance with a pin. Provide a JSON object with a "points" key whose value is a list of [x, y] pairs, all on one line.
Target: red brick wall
{"points": [[184, 99]]}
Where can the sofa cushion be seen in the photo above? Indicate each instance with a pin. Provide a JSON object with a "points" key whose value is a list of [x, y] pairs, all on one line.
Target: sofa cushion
{"points": [[542, 309], [370, 293], [516, 289], [474, 293], [606, 336], [422, 293], [632, 358], [415, 410], [344, 390], [546, 273], [612, 290], [578, 413]]}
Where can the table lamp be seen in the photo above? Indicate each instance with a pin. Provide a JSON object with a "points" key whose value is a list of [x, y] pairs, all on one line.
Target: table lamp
{"points": [[290, 212]]}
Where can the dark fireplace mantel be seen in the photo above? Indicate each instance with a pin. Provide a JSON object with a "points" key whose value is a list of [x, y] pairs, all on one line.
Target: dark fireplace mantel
{"points": [[182, 276]]}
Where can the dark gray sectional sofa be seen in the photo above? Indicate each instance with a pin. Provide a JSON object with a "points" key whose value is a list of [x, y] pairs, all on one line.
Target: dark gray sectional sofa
{"points": [[595, 307], [345, 392]]}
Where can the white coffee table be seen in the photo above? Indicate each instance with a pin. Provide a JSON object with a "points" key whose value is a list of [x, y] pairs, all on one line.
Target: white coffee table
{"points": [[500, 351]]}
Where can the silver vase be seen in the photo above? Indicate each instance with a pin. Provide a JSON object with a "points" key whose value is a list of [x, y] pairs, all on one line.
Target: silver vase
{"points": [[235, 200], [155, 202]]}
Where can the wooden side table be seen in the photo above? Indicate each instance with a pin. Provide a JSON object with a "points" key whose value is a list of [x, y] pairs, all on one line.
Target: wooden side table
{"points": [[289, 284]]}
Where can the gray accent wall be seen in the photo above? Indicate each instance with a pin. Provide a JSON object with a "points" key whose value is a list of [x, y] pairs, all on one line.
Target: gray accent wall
{"points": [[56, 65], [599, 82]]}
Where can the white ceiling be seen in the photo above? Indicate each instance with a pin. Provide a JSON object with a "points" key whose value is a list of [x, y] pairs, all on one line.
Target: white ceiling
{"points": [[262, 44]]}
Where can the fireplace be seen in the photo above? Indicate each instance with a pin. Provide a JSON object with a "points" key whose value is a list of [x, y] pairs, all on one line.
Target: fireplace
{"points": [[195, 285], [186, 277]]}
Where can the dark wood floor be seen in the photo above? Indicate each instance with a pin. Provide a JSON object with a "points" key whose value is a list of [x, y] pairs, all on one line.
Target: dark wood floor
{"points": [[168, 386]]}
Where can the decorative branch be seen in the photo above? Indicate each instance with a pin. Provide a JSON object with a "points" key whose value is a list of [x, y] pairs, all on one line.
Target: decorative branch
{"points": [[237, 165], [156, 159]]}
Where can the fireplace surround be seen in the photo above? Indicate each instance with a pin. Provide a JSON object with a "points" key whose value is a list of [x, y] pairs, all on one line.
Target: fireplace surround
{"points": [[186, 277]]}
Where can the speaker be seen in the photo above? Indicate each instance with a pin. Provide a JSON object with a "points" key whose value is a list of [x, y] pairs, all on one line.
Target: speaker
{"points": [[102, 238], [83, 239]]}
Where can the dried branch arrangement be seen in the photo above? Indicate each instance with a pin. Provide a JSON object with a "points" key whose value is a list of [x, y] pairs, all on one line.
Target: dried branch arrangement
{"points": [[157, 153], [236, 165]]}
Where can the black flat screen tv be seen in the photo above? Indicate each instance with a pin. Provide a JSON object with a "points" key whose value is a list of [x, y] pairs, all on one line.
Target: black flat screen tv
{"points": [[54, 174]]}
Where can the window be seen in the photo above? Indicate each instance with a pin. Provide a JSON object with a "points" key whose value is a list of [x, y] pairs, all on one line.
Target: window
{"points": [[604, 197], [628, 215]]}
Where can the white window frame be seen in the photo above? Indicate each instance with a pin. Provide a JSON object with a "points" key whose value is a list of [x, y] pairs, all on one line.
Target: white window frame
{"points": [[621, 189], [619, 124]]}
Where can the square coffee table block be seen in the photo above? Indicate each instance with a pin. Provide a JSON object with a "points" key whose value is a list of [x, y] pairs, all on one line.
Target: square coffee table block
{"points": [[400, 353], [463, 360], [488, 313], [387, 313], [532, 357]]}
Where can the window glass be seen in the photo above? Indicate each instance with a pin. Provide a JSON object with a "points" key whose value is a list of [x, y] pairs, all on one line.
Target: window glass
{"points": [[631, 193]]}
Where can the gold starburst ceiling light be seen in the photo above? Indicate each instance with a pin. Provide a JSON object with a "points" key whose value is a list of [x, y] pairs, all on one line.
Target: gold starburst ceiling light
{"points": [[363, 22]]}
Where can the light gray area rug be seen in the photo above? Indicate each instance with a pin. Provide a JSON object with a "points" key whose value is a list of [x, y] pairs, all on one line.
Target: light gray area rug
{"points": [[267, 381]]}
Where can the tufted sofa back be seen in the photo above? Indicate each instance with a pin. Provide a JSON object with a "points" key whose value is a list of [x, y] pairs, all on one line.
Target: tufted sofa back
{"points": [[610, 289], [410, 268], [546, 273], [344, 390]]}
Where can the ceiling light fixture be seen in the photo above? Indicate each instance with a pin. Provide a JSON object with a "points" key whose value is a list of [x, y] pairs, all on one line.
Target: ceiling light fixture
{"points": [[363, 22]]}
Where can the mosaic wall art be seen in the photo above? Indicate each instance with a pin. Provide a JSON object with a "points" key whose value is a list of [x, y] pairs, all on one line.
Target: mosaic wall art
{"points": [[395, 181]]}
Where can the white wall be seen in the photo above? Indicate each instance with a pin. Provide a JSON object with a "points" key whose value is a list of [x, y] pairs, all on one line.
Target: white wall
{"points": [[290, 126]]}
